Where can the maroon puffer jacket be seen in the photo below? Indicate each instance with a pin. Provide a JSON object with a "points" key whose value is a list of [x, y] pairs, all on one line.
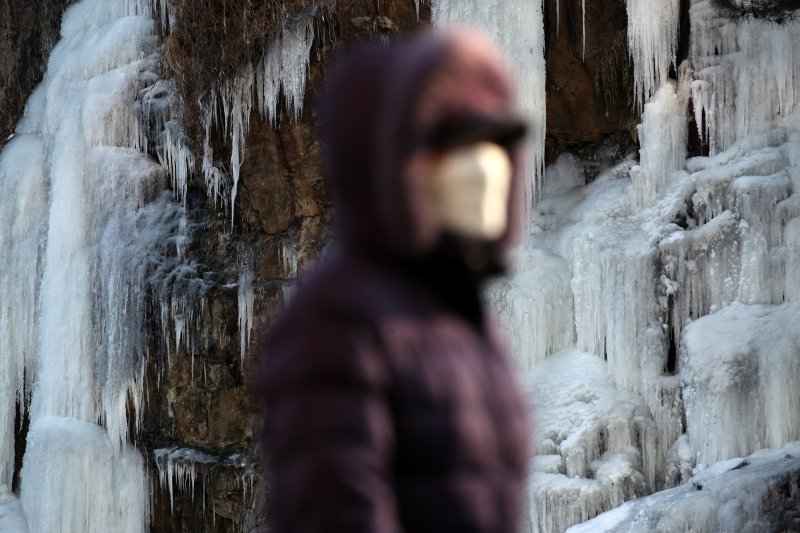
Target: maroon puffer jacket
{"points": [[389, 405]]}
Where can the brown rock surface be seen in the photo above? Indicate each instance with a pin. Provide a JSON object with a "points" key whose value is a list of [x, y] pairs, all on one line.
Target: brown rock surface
{"points": [[589, 89]]}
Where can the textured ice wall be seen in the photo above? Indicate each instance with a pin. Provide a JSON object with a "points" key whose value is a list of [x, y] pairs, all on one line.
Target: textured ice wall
{"points": [[595, 443], [741, 391], [680, 274]]}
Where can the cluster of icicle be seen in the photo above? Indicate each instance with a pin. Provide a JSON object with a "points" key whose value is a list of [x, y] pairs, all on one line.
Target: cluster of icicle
{"points": [[181, 467], [678, 277], [281, 71], [88, 223]]}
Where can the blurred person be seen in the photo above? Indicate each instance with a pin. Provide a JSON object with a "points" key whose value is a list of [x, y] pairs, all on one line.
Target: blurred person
{"points": [[389, 404]]}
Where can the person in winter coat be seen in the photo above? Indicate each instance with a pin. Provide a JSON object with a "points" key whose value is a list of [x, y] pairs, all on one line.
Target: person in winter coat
{"points": [[389, 404]]}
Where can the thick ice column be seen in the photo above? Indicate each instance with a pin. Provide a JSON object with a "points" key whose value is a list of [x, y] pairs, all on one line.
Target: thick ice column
{"points": [[23, 204], [73, 481], [519, 27], [739, 366], [74, 274], [662, 137]]}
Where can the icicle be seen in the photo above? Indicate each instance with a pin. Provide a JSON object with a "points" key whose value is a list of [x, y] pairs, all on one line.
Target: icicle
{"points": [[583, 29], [283, 70], [652, 43], [558, 16], [180, 465], [246, 298]]}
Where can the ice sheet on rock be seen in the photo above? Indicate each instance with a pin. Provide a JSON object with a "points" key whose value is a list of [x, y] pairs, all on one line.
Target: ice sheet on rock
{"points": [[180, 465], [74, 480], [519, 27], [597, 441], [739, 365], [12, 520], [753, 494], [535, 306]]}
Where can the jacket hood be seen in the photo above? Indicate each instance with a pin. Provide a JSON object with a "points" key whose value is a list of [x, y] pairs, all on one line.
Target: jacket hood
{"points": [[381, 104]]}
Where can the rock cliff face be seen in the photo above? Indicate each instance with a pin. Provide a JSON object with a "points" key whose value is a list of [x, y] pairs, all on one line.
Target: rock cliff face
{"points": [[201, 425]]}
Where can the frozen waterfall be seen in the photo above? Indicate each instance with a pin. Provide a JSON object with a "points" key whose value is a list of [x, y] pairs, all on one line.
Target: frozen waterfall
{"points": [[651, 312], [90, 224], [679, 277]]}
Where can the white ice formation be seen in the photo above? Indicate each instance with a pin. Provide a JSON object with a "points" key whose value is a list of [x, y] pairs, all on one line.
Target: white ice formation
{"points": [[88, 226]]}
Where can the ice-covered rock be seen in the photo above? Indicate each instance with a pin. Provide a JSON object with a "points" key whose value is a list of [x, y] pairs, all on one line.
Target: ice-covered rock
{"points": [[752, 494]]}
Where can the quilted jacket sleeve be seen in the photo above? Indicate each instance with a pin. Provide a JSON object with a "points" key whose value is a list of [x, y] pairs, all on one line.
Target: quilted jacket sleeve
{"points": [[328, 430]]}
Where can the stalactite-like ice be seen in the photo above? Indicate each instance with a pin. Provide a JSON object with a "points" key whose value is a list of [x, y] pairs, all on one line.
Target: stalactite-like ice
{"points": [[519, 27], [245, 300], [282, 71], [652, 43], [746, 74], [180, 465]]}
